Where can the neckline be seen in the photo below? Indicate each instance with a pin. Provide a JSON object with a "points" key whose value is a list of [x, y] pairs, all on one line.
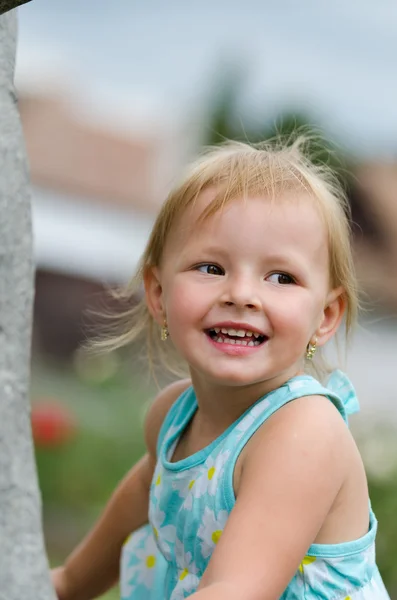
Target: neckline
{"points": [[200, 456]]}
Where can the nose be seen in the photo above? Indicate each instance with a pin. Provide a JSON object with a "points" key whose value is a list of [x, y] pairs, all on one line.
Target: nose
{"points": [[241, 293]]}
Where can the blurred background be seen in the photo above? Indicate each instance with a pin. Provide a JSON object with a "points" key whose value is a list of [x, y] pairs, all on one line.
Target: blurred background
{"points": [[115, 98]]}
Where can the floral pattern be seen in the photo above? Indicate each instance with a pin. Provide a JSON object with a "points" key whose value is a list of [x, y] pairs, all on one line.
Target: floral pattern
{"points": [[208, 481], [211, 530], [139, 564], [184, 486], [190, 503], [164, 535]]}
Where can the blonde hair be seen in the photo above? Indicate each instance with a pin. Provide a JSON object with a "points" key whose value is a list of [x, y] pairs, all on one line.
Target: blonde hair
{"points": [[239, 170]]}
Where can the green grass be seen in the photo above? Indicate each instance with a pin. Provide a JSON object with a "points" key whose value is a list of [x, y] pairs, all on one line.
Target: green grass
{"points": [[112, 595], [108, 441]]}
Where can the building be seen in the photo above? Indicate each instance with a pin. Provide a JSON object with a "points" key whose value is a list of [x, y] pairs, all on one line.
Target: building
{"points": [[98, 179], [376, 247]]}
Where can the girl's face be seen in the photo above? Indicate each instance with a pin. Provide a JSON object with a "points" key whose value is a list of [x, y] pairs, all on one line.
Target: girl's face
{"points": [[244, 291]]}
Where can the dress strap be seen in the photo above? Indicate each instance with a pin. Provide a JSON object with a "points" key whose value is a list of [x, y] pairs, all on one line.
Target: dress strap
{"points": [[339, 383], [178, 415]]}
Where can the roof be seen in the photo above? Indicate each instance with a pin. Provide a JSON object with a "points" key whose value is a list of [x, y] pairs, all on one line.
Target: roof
{"points": [[73, 152]]}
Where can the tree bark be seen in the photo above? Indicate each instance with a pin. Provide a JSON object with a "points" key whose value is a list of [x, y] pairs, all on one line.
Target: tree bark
{"points": [[23, 564]]}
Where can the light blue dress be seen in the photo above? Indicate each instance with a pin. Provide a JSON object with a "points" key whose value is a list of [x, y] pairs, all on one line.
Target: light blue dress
{"points": [[190, 501]]}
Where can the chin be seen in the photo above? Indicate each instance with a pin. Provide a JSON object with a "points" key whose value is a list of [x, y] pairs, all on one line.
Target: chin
{"points": [[235, 378]]}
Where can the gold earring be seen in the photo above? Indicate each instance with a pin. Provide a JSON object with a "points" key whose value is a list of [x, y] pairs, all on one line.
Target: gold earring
{"points": [[311, 349], [164, 331]]}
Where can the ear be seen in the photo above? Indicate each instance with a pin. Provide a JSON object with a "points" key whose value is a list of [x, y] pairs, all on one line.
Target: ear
{"points": [[332, 315], [154, 294]]}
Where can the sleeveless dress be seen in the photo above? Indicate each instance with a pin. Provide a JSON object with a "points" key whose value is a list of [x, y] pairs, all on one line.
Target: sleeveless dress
{"points": [[190, 501]]}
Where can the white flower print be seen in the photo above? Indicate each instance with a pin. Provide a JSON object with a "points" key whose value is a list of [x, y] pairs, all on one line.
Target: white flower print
{"points": [[208, 480], [250, 418], [171, 431], [185, 587], [297, 384], [184, 481], [142, 573], [188, 579], [170, 434], [157, 481], [210, 530], [369, 555], [127, 586], [375, 589], [184, 560], [318, 573], [313, 570], [188, 503], [165, 535], [135, 539]]}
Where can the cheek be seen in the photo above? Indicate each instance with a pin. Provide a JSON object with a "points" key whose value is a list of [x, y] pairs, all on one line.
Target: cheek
{"points": [[183, 303], [295, 315]]}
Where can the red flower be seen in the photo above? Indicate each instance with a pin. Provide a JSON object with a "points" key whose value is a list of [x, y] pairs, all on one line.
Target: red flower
{"points": [[52, 424]]}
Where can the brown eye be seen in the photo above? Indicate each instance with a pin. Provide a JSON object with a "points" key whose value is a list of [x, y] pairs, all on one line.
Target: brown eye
{"points": [[210, 269], [281, 278]]}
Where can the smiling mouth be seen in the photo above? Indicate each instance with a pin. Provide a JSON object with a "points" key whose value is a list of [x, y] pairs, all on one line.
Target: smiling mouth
{"points": [[238, 337]]}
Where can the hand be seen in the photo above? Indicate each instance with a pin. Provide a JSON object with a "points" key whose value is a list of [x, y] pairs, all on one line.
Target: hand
{"points": [[58, 579]]}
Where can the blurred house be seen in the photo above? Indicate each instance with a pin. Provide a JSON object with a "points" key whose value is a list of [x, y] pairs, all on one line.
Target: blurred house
{"points": [[97, 182], [375, 209]]}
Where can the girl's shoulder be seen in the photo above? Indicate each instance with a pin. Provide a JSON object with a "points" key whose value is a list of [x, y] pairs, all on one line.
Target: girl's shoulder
{"points": [[301, 419], [337, 393], [304, 458], [158, 411], [303, 426]]}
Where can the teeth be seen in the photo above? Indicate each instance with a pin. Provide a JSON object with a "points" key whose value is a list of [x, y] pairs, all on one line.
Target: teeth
{"points": [[236, 332], [239, 333], [229, 331], [251, 343]]}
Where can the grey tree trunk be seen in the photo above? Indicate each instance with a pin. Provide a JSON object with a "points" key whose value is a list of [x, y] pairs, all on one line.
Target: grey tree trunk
{"points": [[23, 564]]}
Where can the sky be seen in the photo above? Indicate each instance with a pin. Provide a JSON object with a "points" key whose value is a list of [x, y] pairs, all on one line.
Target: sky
{"points": [[336, 61]]}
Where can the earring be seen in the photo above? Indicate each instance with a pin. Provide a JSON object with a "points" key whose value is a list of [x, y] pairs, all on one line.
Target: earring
{"points": [[164, 331], [311, 349]]}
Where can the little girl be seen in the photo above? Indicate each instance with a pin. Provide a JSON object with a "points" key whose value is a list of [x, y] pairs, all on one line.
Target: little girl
{"points": [[252, 487]]}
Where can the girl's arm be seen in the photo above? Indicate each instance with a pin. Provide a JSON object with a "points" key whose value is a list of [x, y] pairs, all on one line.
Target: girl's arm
{"points": [[93, 567], [292, 472]]}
